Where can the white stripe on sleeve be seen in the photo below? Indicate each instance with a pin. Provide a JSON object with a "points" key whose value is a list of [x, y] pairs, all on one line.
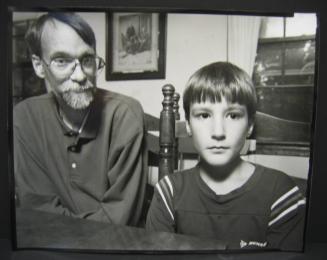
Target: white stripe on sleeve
{"points": [[169, 185], [286, 211], [164, 200], [287, 194]]}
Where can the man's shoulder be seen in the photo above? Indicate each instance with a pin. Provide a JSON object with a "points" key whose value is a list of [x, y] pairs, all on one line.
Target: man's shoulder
{"points": [[35, 100], [111, 98], [31, 104]]}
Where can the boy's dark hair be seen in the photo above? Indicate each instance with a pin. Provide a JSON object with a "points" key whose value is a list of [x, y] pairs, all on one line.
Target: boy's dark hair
{"points": [[34, 33], [217, 80]]}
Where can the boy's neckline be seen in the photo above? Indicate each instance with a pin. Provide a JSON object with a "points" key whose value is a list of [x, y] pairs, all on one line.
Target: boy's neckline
{"points": [[235, 178], [234, 192]]}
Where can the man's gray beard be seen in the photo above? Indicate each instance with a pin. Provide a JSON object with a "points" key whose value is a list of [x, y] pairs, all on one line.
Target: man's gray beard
{"points": [[80, 99]]}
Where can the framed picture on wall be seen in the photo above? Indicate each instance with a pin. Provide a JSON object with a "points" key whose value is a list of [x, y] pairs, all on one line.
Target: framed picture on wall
{"points": [[136, 46]]}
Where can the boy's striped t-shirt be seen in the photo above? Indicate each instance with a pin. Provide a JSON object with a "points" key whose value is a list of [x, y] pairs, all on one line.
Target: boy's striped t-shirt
{"points": [[267, 211]]}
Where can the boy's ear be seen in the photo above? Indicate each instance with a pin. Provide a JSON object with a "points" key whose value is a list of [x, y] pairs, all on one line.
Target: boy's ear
{"points": [[38, 66], [188, 128], [250, 130]]}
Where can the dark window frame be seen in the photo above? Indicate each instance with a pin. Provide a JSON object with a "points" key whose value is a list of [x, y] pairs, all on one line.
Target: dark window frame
{"points": [[282, 147]]}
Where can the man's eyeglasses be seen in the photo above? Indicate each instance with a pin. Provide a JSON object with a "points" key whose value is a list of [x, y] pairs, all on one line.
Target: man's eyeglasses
{"points": [[66, 65]]}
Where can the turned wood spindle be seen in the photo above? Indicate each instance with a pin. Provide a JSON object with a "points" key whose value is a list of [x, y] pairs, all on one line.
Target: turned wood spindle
{"points": [[176, 98], [167, 132]]}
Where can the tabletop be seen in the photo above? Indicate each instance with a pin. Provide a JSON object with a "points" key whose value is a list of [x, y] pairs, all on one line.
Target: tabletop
{"points": [[38, 230]]}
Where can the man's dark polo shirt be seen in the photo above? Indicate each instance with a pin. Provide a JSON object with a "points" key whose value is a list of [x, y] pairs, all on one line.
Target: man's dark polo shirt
{"points": [[99, 174]]}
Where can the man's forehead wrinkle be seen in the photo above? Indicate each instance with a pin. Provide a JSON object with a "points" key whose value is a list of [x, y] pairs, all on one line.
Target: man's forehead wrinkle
{"points": [[47, 31], [47, 28], [57, 28]]}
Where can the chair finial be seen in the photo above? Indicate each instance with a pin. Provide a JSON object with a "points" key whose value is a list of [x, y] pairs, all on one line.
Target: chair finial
{"points": [[176, 98], [168, 92]]}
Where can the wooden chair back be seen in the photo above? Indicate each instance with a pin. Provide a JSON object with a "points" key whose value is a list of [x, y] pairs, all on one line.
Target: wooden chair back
{"points": [[168, 143]]}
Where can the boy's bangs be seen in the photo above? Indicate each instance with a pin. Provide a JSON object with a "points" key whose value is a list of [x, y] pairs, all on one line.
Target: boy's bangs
{"points": [[232, 93], [220, 80]]}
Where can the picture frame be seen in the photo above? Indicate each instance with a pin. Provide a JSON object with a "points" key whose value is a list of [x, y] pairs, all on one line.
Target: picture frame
{"points": [[315, 242], [136, 45]]}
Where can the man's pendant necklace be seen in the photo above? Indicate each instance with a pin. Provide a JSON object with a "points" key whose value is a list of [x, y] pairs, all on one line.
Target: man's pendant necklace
{"points": [[69, 125]]}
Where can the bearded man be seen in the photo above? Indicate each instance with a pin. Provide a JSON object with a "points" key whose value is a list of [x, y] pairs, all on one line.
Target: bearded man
{"points": [[79, 150]]}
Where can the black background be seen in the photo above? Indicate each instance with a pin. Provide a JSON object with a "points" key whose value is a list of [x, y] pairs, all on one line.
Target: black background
{"points": [[316, 230]]}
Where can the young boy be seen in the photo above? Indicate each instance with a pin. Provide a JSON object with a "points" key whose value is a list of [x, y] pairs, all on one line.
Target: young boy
{"points": [[224, 197]]}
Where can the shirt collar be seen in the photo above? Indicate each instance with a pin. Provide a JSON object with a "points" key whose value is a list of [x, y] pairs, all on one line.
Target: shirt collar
{"points": [[92, 123]]}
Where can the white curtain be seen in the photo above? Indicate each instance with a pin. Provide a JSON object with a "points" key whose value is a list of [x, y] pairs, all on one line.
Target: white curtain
{"points": [[242, 40]]}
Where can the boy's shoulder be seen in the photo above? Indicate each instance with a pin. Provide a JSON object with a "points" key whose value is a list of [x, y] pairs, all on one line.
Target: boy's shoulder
{"points": [[179, 180], [271, 176], [287, 198], [184, 175], [279, 184]]}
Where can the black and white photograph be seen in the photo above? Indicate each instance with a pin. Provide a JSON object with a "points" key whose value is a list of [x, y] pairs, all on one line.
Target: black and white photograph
{"points": [[213, 155]]}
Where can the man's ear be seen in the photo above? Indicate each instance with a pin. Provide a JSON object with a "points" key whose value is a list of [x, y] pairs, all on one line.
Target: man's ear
{"points": [[188, 128], [38, 66]]}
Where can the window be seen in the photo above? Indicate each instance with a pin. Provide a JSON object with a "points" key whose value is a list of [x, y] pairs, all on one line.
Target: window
{"points": [[286, 51], [284, 79], [25, 82]]}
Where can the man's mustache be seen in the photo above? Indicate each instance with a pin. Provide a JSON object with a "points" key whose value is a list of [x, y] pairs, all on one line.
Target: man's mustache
{"points": [[77, 88]]}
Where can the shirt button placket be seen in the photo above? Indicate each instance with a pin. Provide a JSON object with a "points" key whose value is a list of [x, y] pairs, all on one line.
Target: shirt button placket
{"points": [[74, 165]]}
